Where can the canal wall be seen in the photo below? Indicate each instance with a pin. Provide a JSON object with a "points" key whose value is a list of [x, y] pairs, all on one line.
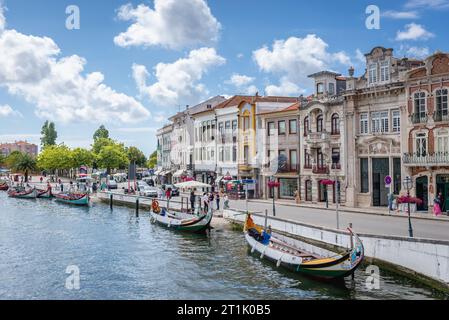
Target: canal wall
{"points": [[426, 260]]}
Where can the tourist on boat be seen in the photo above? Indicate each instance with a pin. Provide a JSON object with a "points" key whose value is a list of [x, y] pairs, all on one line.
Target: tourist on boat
{"points": [[205, 200], [437, 204], [61, 186], [41, 179]]}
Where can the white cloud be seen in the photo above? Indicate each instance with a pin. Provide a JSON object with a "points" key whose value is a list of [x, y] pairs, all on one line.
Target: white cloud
{"points": [[432, 4], [178, 82], [172, 23], [6, 111], [2, 19], [414, 52], [400, 14], [31, 67], [414, 31], [360, 56], [296, 58], [285, 88], [240, 55], [137, 130], [243, 84]]}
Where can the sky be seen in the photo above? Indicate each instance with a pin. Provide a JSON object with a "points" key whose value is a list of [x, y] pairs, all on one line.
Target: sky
{"points": [[132, 64]]}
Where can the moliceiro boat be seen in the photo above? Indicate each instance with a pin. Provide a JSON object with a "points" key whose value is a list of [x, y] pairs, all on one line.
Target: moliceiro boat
{"points": [[342, 265], [22, 193], [44, 193], [79, 199], [4, 186], [180, 221]]}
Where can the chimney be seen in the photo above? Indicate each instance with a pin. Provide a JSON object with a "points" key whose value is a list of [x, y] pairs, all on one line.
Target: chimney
{"points": [[351, 72]]}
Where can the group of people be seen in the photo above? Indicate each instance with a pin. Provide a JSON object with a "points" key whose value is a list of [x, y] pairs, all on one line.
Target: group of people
{"points": [[207, 200], [73, 187]]}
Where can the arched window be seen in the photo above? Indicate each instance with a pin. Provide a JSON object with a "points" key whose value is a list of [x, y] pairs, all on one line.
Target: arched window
{"points": [[442, 142], [306, 126], [441, 105], [421, 144], [335, 124], [320, 88], [319, 123]]}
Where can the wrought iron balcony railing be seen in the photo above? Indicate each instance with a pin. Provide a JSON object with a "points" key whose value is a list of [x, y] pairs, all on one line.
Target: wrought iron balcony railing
{"points": [[419, 118], [317, 137], [420, 159], [441, 115], [336, 166], [320, 170]]}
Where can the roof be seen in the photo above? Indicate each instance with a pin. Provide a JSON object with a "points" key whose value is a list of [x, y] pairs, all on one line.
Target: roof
{"points": [[293, 107], [322, 73], [203, 106], [237, 100]]}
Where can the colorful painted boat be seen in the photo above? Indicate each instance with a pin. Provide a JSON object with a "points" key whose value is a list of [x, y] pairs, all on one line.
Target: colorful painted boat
{"points": [[73, 198], [22, 194], [180, 221], [4, 187], [47, 194], [298, 260]]}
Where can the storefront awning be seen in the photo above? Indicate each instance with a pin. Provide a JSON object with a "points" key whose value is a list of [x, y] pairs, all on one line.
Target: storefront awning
{"points": [[178, 173]]}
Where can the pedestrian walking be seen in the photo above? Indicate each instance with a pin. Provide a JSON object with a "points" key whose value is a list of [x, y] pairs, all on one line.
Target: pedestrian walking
{"points": [[437, 205], [226, 202], [211, 200], [205, 200], [297, 196], [217, 199]]}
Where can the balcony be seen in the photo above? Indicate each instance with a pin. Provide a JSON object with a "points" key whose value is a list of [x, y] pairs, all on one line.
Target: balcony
{"points": [[308, 167], [336, 166], [320, 169], [289, 168], [417, 118], [440, 116], [314, 138], [420, 160]]}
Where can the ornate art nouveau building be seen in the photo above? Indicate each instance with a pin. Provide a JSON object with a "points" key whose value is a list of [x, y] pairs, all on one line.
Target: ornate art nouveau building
{"points": [[425, 138]]}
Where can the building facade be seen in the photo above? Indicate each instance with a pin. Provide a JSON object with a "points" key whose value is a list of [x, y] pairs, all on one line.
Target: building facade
{"points": [[323, 145], [164, 171], [374, 107], [425, 138], [21, 146]]}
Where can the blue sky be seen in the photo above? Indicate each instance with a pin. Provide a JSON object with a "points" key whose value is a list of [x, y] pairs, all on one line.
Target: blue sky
{"points": [[105, 72]]}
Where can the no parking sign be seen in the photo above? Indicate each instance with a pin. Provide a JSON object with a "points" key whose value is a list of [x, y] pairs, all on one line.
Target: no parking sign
{"points": [[388, 181]]}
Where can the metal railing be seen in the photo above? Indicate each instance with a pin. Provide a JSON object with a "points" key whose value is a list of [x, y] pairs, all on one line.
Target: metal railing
{"points": [[320, 170], [438, 158], [441, 116], [419, 118]]}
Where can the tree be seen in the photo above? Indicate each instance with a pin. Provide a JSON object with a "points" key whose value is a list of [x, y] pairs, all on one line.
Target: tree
{"points": [[49, 134], [2, 160], [100, 143], [55, 158], [102, 132], [12, 159], [25, 164], [112, 157], [82, 157], [134, 154], [152, 162]]}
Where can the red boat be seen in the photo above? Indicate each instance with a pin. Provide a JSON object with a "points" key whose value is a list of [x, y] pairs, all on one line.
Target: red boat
{"points": [[26, 194], [44, 193], [4, 187], [73, 198]]}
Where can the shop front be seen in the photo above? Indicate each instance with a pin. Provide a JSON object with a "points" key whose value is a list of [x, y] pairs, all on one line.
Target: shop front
{"points": [[287, 188], [442, 184]]}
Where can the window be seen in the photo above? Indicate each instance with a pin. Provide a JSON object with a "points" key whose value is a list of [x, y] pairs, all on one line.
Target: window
{"points": [[442, 141], [306, 126], [385, 71], [420, 104], [320, 88], [293, 160], [307, 161], [331, 88], [246, 154], [220, 128], [335, 124], [293, 127], [234, 154], [281, 127], [234, 125], [379, 122], [441, 104], [271, 128], [246, 123], [227, 154], [372, 73], [364, 181], [228, 125], [335, 158], [319, 123], [364, 123], [421, 144], [396, 115], [221, 154]]}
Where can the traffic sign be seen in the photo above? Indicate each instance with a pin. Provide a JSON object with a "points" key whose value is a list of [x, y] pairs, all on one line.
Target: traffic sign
{"points": [[388, 180]]}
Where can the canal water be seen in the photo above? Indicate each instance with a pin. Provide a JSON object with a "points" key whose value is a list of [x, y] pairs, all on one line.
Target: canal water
{"points": [[120, 256]]}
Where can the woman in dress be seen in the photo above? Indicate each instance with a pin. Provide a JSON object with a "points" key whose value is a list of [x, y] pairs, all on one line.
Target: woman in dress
{"points": [[437, 205]]}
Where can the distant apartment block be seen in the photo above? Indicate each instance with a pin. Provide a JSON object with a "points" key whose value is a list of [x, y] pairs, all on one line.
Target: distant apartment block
{"points": [[22, 146]]}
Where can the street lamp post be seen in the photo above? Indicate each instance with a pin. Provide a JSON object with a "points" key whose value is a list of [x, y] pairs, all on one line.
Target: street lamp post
{"points": [[408, 185], [272, 184]]}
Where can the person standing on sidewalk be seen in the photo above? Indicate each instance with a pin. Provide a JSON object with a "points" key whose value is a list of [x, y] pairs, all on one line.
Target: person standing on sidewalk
{"points": [[437, 205], [297, 196], [217, 199]]}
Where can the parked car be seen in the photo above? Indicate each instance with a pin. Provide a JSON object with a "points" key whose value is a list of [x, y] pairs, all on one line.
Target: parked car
{"points": [[112, 185], [147, 191]]}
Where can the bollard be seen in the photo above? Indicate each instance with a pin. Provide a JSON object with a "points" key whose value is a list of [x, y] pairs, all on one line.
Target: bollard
{"points": [[111, 201], [137, 207]]}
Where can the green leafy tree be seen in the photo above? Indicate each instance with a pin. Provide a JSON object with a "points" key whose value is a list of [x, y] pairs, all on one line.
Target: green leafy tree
{"points": [[55, 158], [82, 157], [49, 134], [134, 154], [152, 162], [100, 143], [102, 132], [12, 159], [2, 160], [112, 157], [25, 163]]}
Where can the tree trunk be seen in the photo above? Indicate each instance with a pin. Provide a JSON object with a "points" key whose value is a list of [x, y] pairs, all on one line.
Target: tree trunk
{"points": [[26, 176]]}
